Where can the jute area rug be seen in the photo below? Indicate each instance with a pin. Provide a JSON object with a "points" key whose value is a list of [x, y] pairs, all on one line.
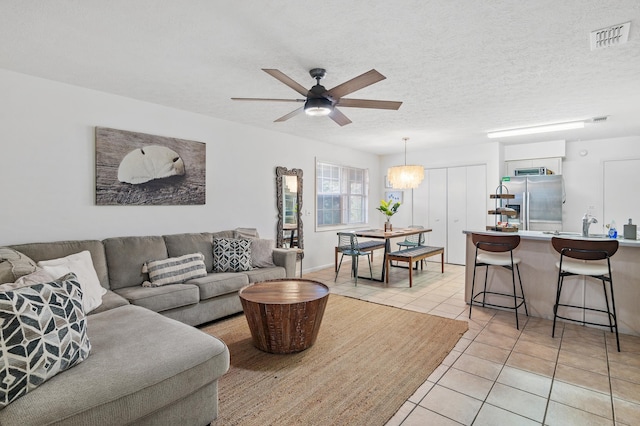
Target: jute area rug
{"points": [[367, 360]]}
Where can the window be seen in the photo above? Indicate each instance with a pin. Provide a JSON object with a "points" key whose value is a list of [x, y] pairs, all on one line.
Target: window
{"points": [[341, 195]]}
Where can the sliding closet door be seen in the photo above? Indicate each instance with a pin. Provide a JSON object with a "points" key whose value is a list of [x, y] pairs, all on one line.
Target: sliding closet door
{"points": [[477, 197], [437, 207], [456, 201], [457, 214]]}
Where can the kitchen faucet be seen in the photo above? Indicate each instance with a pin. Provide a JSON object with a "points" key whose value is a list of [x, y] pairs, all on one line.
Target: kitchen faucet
{"points": [[587, 220]]}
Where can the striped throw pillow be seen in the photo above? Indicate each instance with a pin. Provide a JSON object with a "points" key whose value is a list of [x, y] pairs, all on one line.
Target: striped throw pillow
{"points": [[174, 270]]}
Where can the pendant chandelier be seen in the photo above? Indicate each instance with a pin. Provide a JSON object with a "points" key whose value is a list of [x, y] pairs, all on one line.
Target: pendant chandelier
{"points": [[405, 177]]}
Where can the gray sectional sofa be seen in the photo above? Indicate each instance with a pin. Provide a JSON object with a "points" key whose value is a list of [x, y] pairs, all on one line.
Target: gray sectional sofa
{"points": [[144, 366]]}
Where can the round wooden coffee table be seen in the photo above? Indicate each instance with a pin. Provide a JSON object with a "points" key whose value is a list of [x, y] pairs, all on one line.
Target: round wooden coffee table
{"points": [[284, 315]]}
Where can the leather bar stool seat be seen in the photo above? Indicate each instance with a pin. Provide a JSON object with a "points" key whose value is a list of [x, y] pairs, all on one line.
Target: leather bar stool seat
{"points": [[588, 258], [497, 250]]}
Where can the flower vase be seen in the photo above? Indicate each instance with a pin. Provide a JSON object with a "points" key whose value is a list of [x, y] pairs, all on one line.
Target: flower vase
{"points": [[387, 226]]}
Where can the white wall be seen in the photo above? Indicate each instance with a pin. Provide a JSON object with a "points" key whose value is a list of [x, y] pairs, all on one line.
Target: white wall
{"points": [[47, 177], [47, 174], [583, 177]]}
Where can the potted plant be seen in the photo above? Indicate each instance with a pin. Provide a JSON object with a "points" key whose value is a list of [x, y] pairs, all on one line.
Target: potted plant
{"points": [[388, 208]]}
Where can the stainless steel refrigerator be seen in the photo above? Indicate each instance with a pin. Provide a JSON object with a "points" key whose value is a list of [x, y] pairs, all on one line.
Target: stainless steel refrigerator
{"points": [[538, 202]]}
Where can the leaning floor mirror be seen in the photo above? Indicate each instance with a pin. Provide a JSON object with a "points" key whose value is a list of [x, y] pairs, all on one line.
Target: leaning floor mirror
{"points": [[289, 200]]}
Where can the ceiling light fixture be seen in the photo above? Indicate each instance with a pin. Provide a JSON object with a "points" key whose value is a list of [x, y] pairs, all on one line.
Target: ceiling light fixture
{"points": [[405, 177], [537, 129], [318, 107]]}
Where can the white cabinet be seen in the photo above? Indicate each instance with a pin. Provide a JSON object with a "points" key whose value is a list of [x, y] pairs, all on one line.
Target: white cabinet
{"points": [[456, 201], [554, 164]]}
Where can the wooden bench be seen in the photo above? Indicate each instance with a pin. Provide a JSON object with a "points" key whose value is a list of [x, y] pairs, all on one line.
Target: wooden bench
{"points": [[415, 254], [369, 246]]}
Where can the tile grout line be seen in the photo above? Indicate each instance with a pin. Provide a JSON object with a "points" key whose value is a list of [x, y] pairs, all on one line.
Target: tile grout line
{"points": [[606, 351], [553, 378]]}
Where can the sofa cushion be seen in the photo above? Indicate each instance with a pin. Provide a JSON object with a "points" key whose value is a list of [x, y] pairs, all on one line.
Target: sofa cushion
{"points": [[54, 250], [246, 233], [44, 332], [265, 274], [141, 362], [110, 300], [181, 244], [14, 264], [223, 234], [262, 253], [174, 270], [82, 266], [125, 256], [219, 283], [162, 298], [231, 255]]}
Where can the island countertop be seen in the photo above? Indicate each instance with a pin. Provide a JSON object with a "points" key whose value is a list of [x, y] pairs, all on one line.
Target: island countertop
{"points": [[540, 276], [546, 236]]}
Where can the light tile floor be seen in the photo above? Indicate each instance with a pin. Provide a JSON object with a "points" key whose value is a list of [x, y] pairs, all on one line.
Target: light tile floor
{"points": [[497, 375]]}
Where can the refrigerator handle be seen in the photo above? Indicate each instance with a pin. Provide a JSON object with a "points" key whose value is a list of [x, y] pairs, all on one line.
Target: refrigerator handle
{"points": [[523, 214], [528, 209]]}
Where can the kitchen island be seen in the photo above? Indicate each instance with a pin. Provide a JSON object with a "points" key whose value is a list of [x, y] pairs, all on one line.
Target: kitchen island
{"points": [[540, 277]]}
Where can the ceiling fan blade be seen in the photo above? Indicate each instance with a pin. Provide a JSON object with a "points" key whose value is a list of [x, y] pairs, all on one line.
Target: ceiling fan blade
{"points": [[266, 99], [280, 76], [337, 116], [357, 83], [288, 116], [366, 103]]}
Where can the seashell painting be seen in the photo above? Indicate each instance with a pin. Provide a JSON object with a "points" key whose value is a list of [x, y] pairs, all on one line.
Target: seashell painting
{"points": [[140, 169], [150, 162]]}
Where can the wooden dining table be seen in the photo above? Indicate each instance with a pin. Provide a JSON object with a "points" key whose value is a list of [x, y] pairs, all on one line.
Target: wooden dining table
{"points": [[387, 236]]}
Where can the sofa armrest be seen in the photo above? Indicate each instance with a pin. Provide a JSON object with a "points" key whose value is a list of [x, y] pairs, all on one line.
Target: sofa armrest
{"points": [[287, 259]]}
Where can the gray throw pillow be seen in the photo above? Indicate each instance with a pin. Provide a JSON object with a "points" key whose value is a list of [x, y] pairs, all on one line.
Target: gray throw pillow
{"points": [[14, 264], [262, 253], [231, 255]]}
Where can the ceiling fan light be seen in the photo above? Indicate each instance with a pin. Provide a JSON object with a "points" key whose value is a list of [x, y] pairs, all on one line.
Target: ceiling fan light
{"points": [[318, 107]]}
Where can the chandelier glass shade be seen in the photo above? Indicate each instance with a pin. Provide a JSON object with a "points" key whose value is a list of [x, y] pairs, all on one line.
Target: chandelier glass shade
{"points": [[407, 176]]}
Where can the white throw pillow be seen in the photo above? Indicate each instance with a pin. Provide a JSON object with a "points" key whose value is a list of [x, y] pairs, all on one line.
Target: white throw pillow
{"points": [[81, 265], [40, 276]]}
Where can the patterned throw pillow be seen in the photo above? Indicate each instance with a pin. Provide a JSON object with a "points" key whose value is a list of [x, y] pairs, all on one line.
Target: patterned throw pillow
{"points": [[174, 270], [43, 331], [231, 255]]}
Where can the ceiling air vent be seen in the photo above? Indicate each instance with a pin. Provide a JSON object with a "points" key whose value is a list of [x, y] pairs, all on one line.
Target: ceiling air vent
{"points": [[600, 119], [612, 36]]}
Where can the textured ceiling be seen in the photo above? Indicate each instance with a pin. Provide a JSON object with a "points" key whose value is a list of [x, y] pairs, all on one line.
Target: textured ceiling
{"points": [[461, 68]]}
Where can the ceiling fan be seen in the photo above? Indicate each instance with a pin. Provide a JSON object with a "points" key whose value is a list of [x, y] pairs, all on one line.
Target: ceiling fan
{"points": [[320, 101]]}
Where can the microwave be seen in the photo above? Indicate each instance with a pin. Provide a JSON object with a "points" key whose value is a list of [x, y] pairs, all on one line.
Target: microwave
{"points": [[531, 171]]}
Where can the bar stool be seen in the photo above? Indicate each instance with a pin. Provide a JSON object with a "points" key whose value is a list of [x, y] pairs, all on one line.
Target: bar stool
{"points": [[586, 258], [497, 250]]}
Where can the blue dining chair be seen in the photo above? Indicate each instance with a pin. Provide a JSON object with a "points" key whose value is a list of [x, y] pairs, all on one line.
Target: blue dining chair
{"points": [[348, 245]]}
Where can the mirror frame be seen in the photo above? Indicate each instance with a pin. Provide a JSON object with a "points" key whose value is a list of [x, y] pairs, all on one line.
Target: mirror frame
{"points": [[280, 173]]}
